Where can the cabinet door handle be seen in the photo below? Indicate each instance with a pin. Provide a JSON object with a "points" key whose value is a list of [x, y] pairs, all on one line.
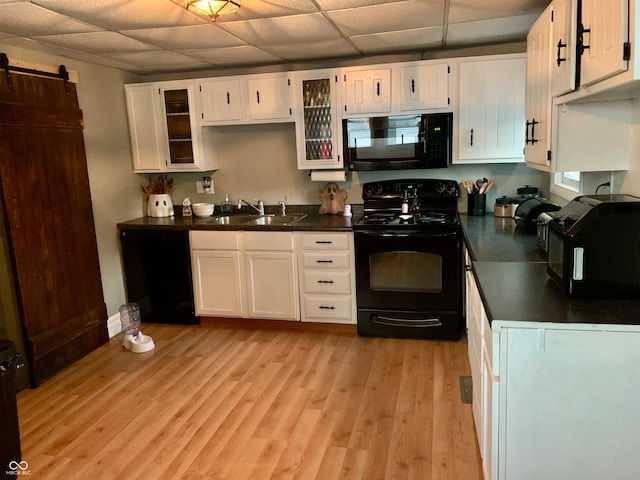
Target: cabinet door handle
{"points": [[228, 98], [324, 261], [323, 241], [413, 86], [325, 307], [559, 60], [471, 137], [581, 31], [378, 89], [531, 124], [326, 281], [258, 96]]}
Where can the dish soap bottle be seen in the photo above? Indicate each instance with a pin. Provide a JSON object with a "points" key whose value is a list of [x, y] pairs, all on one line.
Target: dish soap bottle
{"points": [[226, 206], [405, 203]]}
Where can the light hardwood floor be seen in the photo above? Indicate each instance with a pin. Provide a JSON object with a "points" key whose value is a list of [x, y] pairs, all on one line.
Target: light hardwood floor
{"points": [[259, 400]]}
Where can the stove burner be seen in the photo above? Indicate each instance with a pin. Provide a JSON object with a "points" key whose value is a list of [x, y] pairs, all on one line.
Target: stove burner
{"points": [[378, 218], [432, 218]]}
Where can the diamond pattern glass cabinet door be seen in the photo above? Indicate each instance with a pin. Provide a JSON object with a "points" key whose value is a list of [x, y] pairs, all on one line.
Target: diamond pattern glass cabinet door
{"points": [[317, 119]]}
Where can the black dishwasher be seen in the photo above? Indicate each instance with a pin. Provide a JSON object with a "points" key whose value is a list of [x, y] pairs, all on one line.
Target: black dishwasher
{"points": [[10, 454], [157, 269]]}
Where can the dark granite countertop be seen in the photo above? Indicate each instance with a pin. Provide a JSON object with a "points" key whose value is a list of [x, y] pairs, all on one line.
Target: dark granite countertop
{"points": [[312, 221], [511, 273]]}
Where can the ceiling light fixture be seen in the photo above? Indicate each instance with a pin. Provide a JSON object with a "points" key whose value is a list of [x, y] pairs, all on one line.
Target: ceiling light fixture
{"points": [[213, 8]]}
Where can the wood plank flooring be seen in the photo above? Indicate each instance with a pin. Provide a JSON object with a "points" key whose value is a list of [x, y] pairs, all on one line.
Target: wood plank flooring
{"points": [[254, 399]]}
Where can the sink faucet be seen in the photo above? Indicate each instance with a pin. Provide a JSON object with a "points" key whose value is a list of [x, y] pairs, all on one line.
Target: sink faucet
{"points": [[283, 208], [259, 208]]}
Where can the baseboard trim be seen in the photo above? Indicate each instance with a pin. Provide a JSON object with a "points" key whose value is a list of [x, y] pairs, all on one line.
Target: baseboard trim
{"points": [[114, 326]]}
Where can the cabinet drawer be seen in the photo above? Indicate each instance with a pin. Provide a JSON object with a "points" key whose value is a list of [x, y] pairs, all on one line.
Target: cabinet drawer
{"points": [[327, 308], [324, 241], [328, 282], [278, 241], [326, 260], [213, 240]]}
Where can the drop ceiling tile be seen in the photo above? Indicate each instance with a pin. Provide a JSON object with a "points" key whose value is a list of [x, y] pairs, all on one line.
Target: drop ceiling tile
{"points": [[244, 55], [313, 50], [340, 4], [96, 42], [280, 30], [388, 17], [41, 47], [125, 14], [474, 10], [501, 29], [26, 19], [151, 59], [182, 38], [418, 38], [108, 62]]}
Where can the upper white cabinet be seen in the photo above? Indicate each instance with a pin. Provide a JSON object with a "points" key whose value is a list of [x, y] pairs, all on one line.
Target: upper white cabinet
{"points": [[221, 100], [263, 98], [605, 39], [367, 91], [538, 100], [564, 36], [164, 129], [424, 86], [491, 110], [318, 127]]}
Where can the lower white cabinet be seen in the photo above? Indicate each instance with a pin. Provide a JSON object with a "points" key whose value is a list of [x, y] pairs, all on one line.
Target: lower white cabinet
{"points": [[327, 277], [271, 279], [217, 273]]}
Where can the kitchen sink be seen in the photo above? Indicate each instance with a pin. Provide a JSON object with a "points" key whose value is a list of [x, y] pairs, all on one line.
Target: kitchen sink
{"points": [[283, 220]]}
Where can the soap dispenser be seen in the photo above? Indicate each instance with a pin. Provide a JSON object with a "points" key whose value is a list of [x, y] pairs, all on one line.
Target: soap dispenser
{"points": [[226, 206]]}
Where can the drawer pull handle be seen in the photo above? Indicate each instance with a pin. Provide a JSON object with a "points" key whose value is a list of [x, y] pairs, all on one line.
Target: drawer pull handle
{"points": [[324, 307], [324, 261], [324, 241], [325, 281]]}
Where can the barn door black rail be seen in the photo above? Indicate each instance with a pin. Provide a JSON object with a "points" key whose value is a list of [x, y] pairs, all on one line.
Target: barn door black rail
{"points": [[4, 64]]}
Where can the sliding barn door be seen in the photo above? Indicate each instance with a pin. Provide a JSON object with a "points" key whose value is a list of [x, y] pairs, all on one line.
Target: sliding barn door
{"points": [[47, 206]]}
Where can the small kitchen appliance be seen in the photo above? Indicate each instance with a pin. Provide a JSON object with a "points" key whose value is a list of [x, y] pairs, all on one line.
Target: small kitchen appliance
{"points": [[409, 262], [398, 142], [526, 215], [594, 246]]}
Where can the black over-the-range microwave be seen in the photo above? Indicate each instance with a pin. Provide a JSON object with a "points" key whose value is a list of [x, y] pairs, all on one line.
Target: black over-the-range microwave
{"points": [[398, 142]]}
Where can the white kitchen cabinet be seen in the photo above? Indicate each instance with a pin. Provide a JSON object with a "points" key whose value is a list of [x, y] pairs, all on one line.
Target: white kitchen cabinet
{"points": [[366, 91], [326, 276], [564, 38], [318, 127], [606, 35], [217, 273], [271, 275], [221, 100], [538, 98], [164, 129], [424, 86], [268, 97], [491, 110]]}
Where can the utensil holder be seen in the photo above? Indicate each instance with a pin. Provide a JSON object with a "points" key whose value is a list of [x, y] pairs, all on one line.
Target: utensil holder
{"points": [[477, 204]]}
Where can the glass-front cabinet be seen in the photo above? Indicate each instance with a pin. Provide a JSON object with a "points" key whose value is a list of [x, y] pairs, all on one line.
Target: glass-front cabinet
{"points": [[166, 135], [318, 129]]}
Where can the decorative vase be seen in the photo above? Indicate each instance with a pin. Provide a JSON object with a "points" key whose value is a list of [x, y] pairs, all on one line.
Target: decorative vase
{"points": [[160, 205]]}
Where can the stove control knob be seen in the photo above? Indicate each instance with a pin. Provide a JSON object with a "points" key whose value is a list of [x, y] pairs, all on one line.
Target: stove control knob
{"points": [[377, 189], [440, 188], [451, 188], [368, 189]]}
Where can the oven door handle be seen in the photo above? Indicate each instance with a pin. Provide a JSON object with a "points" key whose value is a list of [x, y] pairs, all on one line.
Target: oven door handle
{"points": [[404, 322], [407, 233]]}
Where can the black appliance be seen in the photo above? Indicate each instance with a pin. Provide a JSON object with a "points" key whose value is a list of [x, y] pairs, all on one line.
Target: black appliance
{"points": [[10, 453], [398, 142], [157, 269], [594, 246], [527, 213], [409, 266]]}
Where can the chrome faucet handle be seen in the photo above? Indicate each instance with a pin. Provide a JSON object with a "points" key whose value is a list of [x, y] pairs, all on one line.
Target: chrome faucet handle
{"points": [[260, 206], [283, 207]]}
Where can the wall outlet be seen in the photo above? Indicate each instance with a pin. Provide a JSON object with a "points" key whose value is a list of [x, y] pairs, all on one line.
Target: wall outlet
{"points": [[200, 188]]}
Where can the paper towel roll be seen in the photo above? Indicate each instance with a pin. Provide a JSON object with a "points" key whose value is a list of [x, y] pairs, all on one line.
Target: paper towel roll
{"points": [[328, 175]]}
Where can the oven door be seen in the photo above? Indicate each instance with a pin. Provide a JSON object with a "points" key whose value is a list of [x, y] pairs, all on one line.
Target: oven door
{"points": [[414, 270]]}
